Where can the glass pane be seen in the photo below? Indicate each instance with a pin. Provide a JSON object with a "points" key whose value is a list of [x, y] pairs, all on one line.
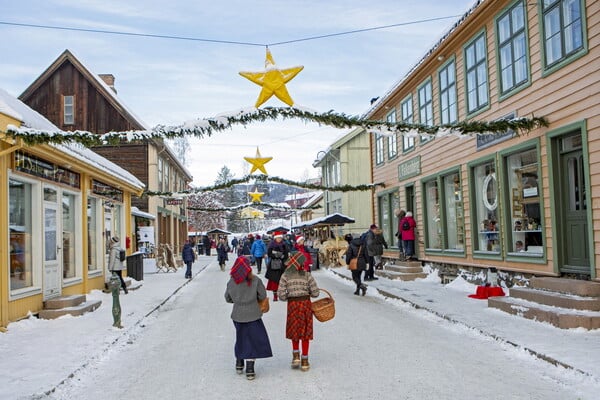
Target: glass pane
{"points": [[50, 234], [480, 49], [518, 18], [69, 239], [453, 212], [20, 226], [503, 29], [434, 233], [486, 208], [92, 215]]}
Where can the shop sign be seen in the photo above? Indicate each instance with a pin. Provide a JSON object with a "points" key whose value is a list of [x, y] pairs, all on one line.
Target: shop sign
{"points": [[409, 168], [174, 202], [45, 169]]}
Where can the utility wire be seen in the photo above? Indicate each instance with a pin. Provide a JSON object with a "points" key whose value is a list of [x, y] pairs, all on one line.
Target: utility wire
{"points": [[174, 37]]}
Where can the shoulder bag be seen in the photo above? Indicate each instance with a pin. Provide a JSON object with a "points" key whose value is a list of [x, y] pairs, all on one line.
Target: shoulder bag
{"points": [[354, 262]]}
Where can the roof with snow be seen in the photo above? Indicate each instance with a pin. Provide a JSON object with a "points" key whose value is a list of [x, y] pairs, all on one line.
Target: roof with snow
{"points": [[15, 108]]}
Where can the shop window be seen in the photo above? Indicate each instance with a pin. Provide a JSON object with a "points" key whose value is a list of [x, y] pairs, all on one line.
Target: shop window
{"points": [[433, 227], [526, 222], [20, 229], [486, 208], [453, 213], [69, 237], [93, 234]]}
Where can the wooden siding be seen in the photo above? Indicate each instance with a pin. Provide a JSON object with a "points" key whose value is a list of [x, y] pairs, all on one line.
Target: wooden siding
{"points": [[565, 96], [92, 112]]}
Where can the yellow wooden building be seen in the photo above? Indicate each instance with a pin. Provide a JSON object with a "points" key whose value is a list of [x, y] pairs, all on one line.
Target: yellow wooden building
{"points": [[60, 205]]}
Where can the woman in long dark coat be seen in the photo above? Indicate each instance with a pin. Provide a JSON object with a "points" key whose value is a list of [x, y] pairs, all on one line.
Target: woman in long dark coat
{"points": [[252, 342], [278, 254], [356, 249]]}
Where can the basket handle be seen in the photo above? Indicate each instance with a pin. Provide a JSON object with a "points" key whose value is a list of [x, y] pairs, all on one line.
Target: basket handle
{"points": [[329, 294]]}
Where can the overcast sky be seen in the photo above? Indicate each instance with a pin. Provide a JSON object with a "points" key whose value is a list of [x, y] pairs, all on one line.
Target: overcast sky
{"points": [[169, 81]]}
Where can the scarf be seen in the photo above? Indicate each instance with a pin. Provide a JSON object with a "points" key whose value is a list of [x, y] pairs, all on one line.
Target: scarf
{"points": [[240, 270]]}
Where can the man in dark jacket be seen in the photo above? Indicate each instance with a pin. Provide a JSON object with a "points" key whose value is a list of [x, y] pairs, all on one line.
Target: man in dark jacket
{"points": [[365, 239], [357, 250], [189, 257]]}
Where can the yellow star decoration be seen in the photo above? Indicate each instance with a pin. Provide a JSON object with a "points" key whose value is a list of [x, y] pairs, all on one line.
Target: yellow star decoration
{"points": [[273, 81], [256, 196], [258, 162]]}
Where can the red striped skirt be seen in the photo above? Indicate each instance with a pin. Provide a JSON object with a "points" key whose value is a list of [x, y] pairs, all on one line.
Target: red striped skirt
{"points": [[299, 324], [272, 285]]}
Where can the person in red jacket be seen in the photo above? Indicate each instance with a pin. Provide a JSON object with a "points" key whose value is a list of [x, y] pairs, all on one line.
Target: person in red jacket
{"points": [[407, 226]]}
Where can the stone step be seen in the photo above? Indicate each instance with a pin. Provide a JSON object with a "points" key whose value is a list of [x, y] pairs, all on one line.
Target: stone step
{"points": [[405, 276], [77, 310], [64, 301], [559, 317], [563, 285], [402, 268], [556, 299]]}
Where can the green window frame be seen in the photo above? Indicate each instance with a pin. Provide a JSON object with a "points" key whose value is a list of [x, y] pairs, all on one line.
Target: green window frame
{"points": [[448, 98], [392, 140], [378, 149], [425, 98], [406, 108], [512, 44], [563, 30], [476, 74]]}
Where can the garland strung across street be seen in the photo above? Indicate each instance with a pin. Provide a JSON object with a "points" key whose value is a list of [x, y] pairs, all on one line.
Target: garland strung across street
{"points": [[262, 206], [207, 127], [264, 178]]}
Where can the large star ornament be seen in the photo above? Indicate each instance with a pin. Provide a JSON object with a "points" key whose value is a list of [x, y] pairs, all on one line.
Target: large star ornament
{"points": [[273, 81], [258, 162], [256, 196]]}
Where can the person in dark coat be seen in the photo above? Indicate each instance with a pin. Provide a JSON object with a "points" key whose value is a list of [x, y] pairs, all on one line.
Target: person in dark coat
{"points": [[206, 244], [356, 249], [365, 239], [401, 215], [375, 244], [278, 255], [222, 250], [252, 341], [188, 256]]}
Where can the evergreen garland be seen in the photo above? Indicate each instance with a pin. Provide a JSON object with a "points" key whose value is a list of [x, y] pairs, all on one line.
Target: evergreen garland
{"points": [[206, 127], [263, 206], [264, 178]]}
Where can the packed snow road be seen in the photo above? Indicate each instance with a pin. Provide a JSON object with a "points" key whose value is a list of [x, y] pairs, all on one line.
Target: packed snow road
{"points": [[373, 349]]}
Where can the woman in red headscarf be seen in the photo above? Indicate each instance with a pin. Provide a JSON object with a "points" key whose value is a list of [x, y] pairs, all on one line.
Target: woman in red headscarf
{"points": [[299, 246], [297, 287], [244, 290]]}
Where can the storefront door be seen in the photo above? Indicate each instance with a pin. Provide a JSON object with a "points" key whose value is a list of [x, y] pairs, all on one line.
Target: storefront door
{"points": [[52, 241], [573, 192]]}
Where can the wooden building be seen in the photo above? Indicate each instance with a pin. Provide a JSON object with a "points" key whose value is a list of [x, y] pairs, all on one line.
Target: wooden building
{"points": [[73, 98], [63, 204], [524, 203]]}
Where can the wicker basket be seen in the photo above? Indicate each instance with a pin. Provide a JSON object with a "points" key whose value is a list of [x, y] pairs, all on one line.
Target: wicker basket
{"points": [[324, 309]]}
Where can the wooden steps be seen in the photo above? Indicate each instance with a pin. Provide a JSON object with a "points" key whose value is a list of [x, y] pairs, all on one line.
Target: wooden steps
{"points": [[564, 303], [68, 305]]}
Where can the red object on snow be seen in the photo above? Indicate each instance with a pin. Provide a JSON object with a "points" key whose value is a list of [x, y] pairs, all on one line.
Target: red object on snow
{"points": [[483, 292]]}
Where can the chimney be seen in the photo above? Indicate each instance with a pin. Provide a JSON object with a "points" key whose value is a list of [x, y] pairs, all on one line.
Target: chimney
{"points": [[109, 79]]}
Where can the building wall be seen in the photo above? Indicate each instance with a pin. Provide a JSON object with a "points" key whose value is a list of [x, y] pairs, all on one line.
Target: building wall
{"points": [[567, 95]]}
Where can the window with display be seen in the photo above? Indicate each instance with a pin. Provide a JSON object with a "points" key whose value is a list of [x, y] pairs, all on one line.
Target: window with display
{"points": [[453, 213], [525, 236], [486, 208], [433, 227], [20, 229]]}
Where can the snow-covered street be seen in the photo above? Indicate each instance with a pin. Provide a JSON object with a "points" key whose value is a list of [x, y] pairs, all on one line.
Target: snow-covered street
{"points": [[373, 349]]}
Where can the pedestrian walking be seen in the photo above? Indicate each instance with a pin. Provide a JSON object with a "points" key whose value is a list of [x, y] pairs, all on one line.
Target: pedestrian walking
{"points": [[375, 244], [355, 250], [251, 338], [115, 264], [365, 238], [278, 255], [296, 286], [206, 244], [189, 257], [258, 252], [408, 226], [299, 246], [222, 253]]}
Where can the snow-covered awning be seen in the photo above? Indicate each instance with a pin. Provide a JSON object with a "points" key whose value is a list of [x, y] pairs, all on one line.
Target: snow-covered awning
{"points": [[137, 213]]}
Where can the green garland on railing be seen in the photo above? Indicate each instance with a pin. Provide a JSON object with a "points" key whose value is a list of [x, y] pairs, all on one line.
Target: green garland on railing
{"points": [[206, 127], [261, 205], [264, 178]]}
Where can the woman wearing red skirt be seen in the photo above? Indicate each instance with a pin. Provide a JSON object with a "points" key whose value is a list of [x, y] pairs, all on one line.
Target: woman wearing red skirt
{"points": [[297, 287]]}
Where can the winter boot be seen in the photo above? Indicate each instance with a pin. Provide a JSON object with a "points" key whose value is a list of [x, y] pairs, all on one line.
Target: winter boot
{"points": [[274, 296], [304, 365], [295, 359], [356, 291], [239, 366], [250, 375], [363, 288]]}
